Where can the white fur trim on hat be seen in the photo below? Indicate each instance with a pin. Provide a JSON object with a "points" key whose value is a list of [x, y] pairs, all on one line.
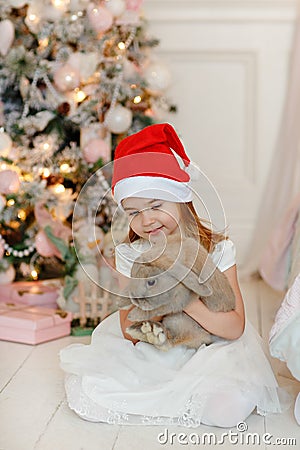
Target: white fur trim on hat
{"points": [[153, 187], [193, 171]]}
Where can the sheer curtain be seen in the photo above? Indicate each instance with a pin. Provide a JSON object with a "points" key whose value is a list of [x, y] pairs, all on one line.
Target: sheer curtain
{"points": [[283, 182]]}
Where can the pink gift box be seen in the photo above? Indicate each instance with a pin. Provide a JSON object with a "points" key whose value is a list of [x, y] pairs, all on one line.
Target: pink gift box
{"points": [[33, 324], [33, 293]]}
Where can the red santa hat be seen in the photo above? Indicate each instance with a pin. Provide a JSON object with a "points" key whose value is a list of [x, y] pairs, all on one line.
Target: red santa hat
{"points": [[146, 165]]}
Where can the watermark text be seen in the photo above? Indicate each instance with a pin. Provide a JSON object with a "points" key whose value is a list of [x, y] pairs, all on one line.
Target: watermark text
{"points": [[240, 436]]}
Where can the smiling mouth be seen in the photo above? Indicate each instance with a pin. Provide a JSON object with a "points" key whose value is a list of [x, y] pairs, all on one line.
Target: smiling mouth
{"points": [[156, 230]]}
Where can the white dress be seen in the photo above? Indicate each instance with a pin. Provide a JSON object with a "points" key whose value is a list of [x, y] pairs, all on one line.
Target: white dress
{"points": [[285, 335], [285, 332], [114, 381]]}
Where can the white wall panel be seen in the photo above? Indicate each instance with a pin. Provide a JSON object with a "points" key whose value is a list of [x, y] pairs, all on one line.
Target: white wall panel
{"points": [[229, 62]]}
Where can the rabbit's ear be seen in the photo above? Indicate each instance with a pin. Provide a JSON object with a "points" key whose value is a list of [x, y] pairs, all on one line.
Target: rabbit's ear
{"points": [[192, 281]]}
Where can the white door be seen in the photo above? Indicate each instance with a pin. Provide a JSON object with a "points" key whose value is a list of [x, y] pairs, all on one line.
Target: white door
{"points": [[229, 63]]}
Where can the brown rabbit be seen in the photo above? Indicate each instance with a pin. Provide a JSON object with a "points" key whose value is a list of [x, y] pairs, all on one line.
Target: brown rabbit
{"points": [[164, 280]]}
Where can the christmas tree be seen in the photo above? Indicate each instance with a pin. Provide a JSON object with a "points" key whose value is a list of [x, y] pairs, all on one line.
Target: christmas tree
{"points": [[76, 77]]}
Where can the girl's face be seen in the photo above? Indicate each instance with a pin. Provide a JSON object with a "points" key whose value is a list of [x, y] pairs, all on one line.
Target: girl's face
{"points": [[149, 218]]}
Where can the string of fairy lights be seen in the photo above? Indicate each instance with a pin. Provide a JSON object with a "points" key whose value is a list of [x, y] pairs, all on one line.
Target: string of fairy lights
{"points": [[63, 80]]}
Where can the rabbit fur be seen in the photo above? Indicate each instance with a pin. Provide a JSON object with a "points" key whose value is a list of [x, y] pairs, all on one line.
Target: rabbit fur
{"points": [[164, 280]]}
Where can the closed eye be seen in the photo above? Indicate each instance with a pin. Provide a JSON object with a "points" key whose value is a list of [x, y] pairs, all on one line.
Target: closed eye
{"points": [[156, 206]]}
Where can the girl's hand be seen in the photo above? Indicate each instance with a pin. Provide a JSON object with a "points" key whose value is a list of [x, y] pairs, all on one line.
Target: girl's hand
{"points": [[125, 323], [228, 325], [156, 319]]}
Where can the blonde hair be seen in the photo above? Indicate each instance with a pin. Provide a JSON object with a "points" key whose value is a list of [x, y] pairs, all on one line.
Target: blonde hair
{"points": [[193, 227]]}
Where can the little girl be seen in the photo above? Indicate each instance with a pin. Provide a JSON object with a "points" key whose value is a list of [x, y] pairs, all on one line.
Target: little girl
{"points": [[118, 380]]}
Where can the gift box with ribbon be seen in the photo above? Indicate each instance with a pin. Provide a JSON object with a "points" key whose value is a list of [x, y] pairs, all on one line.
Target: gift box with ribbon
{"points": [[32, 324], [31, 293]]}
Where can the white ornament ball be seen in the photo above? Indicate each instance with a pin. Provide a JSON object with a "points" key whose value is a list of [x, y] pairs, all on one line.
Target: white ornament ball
{"points": [[119, 119], [8, 276], [96, 149], [157, 76], [9, 182], [67, 78], [5, 144], [116, 7], [7, 35], [100, 18]]}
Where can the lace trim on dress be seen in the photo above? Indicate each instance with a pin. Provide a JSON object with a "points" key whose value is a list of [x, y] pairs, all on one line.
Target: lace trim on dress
{"points": [[191, 415], [86, 408]]}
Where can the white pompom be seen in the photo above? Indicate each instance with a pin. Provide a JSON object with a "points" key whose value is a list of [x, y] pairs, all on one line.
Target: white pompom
{"points": [[193, 171]]}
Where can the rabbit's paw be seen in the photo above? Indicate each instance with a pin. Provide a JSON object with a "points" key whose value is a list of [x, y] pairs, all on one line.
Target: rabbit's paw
{"points": [[147, 331], [135, 331]]}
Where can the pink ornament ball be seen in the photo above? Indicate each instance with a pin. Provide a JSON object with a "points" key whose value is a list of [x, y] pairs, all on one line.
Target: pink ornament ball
{"points": [[44, 246], [9, 182], [66, 78], [99, 17], [96, 149], [134, 5]]}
